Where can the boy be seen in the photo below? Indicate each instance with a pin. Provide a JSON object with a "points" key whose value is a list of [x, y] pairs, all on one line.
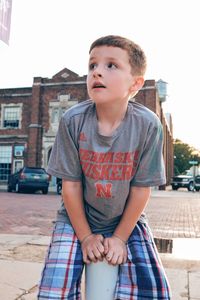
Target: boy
{"points": [[108, 152]]}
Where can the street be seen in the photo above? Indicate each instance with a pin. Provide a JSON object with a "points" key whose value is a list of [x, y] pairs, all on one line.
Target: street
{"points": [[174, 214], [171, 214], [22, 213]]}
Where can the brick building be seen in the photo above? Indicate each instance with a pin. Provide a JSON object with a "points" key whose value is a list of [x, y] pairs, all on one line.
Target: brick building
{"points": [[29, 119]]}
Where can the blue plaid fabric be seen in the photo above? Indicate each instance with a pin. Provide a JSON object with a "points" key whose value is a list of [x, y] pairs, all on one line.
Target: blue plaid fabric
{"points": [[142, 277]]}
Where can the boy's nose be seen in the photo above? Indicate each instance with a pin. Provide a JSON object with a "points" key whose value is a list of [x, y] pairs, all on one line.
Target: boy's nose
{"points": [[97, 74]]}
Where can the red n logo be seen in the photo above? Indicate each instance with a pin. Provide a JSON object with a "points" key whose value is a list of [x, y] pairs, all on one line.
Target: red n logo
{"points": [[103, 190]]}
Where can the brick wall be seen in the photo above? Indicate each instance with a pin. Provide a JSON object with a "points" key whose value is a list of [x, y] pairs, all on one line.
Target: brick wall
{"points": [[36, 120], [148, 96]]}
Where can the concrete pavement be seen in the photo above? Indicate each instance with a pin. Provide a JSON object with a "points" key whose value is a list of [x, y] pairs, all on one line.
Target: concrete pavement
{"points": [[22, 256], [21, 261]]}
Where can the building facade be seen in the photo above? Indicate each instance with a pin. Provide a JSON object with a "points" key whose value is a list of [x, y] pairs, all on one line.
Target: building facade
{"points": [[29, 119]]}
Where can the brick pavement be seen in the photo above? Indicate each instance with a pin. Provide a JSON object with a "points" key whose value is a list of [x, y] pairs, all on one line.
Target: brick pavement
{"points": [[27, 213], [171, 214], [174, 214]]}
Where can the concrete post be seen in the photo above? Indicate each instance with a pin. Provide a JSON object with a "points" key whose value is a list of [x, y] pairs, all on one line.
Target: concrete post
{"points": [[100, 279]]}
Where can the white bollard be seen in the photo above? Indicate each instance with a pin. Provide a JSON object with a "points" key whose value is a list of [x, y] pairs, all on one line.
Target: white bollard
{"points": [[100, 280]]}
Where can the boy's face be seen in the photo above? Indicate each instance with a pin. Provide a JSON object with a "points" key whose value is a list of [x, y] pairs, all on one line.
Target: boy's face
{"points": [[109, 76]]}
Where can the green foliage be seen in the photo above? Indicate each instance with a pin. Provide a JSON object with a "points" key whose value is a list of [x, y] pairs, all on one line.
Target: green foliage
{"points": [[183, 153]]}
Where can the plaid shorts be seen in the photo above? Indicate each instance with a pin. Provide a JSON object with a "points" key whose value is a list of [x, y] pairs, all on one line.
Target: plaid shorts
{"points": [[142, 277]]}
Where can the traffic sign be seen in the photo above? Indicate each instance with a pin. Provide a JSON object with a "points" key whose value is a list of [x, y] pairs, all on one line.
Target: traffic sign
{"points": [[193, 162]]}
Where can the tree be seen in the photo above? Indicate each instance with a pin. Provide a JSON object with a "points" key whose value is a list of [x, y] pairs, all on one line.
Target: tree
{"points": [[183, 153]]}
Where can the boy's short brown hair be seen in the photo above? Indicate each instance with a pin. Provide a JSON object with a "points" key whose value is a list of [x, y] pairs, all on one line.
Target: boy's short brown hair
{"points": [[137, 57]]}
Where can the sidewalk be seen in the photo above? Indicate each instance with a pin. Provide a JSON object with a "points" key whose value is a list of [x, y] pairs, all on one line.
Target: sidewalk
{"points": [[21, 261]]}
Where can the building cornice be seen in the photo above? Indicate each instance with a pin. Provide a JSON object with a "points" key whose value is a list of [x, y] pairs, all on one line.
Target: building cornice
{"points": [[59, 83], [9, 136]]}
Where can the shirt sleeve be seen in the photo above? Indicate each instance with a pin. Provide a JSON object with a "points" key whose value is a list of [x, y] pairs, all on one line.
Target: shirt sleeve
{"points": [[64, 160], [151, 168]]}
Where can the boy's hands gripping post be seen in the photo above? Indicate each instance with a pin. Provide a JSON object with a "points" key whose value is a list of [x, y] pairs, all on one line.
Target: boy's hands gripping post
{"points": [[95, 248], [92, 248], [115, 250]]}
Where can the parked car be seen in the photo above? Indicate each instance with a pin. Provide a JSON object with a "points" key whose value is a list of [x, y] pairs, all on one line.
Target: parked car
{"points": [[59, 185], [185, 180], [197, 183], [29, 179]]}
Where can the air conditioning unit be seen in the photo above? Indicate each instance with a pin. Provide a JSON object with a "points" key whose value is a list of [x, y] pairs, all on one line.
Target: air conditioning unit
{"points": [[19, 153]]}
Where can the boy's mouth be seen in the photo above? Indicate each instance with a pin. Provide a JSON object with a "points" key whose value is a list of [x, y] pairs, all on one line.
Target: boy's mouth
{"points": [[98, 85]]}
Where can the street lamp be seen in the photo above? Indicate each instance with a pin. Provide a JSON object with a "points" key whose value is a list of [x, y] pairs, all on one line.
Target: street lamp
{"points": [[194, 163]]}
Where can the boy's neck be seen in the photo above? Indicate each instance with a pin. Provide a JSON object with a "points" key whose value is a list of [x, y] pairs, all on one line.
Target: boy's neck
{"points": [[109, 118]]}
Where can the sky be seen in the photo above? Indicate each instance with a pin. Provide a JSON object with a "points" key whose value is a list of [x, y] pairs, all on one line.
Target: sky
{"points": [[47, 36]]}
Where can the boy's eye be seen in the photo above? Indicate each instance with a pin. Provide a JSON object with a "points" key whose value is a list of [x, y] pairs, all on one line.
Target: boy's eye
{"points": [[111, 65], [92, 66]]}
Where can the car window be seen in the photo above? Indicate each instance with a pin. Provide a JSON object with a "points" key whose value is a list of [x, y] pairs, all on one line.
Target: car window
{"points": [[187, 173], [34, 170]]}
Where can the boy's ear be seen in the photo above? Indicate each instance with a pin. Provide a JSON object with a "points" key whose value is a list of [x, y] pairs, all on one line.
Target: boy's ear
{"points": [[138, 82]]}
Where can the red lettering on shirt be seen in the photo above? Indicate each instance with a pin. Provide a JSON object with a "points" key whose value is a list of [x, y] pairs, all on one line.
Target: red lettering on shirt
{"points": [[109, 165], [82, 137], [103, 190]]}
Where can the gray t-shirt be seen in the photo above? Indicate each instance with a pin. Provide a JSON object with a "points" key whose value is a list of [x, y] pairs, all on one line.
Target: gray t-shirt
{"points": [[107, 166]]}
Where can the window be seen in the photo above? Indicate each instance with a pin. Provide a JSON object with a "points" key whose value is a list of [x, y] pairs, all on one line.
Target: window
{"points": [[34, 170], [11, 116], [55, 115], [5, 162], [57, 107]]}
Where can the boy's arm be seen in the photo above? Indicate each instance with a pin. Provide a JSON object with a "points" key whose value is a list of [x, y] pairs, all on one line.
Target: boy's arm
{"points": [[136, 203], [72, 197], [73, 200], [115, 249]]}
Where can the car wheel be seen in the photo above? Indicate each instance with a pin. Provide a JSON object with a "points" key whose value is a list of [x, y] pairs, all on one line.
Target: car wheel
{"points": [[191, 187], [174, 188], [9, 189], [45, 191], [197, 189], [59, 189]]}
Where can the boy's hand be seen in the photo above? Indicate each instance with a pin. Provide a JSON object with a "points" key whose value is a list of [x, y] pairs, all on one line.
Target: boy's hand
{"points": [[115, 250], [93, 248]]}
